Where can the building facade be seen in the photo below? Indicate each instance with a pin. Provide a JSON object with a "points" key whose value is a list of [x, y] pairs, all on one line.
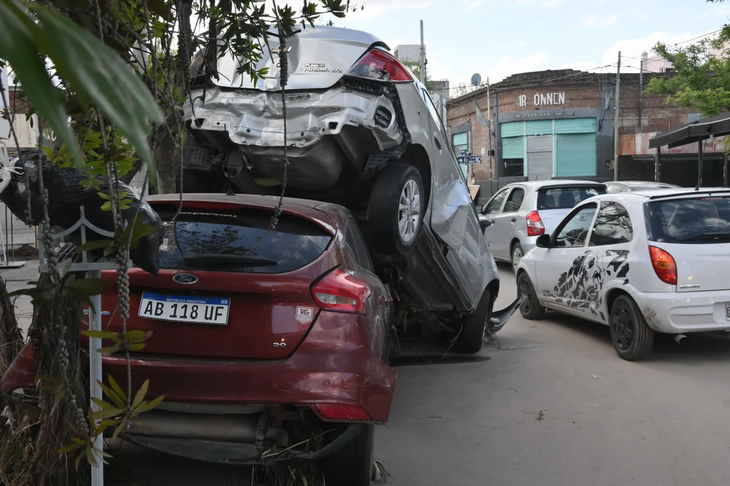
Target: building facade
{"points": [[560, 124]]}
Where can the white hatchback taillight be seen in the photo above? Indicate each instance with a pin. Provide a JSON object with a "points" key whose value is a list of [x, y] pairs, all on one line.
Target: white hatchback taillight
{"points": [[381, 66], [340, 291], [534, 224], [664, 265]]}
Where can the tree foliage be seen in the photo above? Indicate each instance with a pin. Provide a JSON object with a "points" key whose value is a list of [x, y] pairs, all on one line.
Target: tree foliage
{"points": [[701, 77]]}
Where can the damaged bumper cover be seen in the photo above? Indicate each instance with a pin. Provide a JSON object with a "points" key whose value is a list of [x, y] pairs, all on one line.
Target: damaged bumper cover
{"points": [[325, 129], [500, 318]]}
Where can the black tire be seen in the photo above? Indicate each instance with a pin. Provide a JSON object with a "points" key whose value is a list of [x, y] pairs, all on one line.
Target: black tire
{"points": [[352, 465], [531, 308], [471, 337], [631, 336], [515, 252], [384, 209]]}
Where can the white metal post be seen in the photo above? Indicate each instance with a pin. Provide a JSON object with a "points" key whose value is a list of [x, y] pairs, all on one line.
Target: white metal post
{"points": [[95, 376]]}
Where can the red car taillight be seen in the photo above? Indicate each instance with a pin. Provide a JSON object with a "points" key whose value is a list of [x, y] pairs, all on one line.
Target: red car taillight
{"points": [[333, 411], [380, 65], [339, 291], [664, 265], [534, 224]]}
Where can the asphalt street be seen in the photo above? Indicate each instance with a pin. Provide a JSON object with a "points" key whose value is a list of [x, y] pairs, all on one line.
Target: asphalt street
{"points": [[553, 406]]}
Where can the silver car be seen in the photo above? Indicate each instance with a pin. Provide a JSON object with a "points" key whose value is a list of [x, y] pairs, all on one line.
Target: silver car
{"points": [[522, 211], [614, 187], [362, 132]]}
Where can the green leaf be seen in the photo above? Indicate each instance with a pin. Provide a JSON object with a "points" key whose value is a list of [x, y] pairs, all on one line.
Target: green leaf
{"points": [[117, 389], [120, 428], [136, 346], [101, 403], [119, 401], [135, 335], [88, 286], [69, 448], [109, 350], [108, 413], [146, 407], [99, 334], [98, 74], [141, 394], [18, 45]]}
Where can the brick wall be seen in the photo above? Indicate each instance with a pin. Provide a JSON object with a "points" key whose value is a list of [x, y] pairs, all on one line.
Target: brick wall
{"points": [[582, 90]]}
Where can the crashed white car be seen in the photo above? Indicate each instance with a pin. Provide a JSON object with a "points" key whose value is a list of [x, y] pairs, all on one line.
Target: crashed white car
{"points": [[362, 132], [641, 262]]}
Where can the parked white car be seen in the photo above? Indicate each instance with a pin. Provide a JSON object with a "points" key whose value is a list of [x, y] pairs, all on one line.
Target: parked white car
{"points": [[639, 262]]}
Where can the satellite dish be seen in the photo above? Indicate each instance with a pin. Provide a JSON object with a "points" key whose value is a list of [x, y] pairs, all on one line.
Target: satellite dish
{"points": [[476, 79]]}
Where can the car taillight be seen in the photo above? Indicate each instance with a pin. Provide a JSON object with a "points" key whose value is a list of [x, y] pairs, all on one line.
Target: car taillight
{"points": [[334, 411], [534, 224], [380, 65], [339, 291], [664, 265]]}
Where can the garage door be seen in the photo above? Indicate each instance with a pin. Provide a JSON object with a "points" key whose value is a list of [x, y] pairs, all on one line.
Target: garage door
{"points": [[540, 157], [575, 147]]}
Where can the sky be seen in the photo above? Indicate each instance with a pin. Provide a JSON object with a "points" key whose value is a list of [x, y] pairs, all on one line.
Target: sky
{"points": [[497, 38]]}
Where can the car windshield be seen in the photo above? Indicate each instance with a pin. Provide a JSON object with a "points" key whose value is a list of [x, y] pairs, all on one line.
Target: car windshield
{"points": [[565, 197], [696, 220], [239, 241]]}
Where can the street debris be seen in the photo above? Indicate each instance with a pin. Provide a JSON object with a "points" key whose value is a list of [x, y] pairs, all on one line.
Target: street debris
{"points": [[380, 474], [596, 377]]}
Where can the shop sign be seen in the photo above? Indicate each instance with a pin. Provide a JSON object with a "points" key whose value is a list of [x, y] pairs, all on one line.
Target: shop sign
{"points": [[543, 99]]}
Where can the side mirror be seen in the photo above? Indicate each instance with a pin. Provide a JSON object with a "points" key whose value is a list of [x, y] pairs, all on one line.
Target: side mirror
{"points": [[543, 241], [484, 222]]}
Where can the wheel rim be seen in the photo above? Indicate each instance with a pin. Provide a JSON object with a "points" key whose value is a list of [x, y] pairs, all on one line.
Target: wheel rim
{"points": [[516, 256], [525, 292], [624, 328], [409, 211]]}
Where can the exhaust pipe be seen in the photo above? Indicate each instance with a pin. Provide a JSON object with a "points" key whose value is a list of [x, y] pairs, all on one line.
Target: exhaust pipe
{"points": [[679, 338]]}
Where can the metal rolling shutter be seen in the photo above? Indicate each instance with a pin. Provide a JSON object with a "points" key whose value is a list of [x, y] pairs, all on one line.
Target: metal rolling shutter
{"points": [[575, 147], [540, 157]]}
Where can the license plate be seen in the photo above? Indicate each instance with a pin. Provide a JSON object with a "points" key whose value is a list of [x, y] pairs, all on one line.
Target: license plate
{"points": [[196, 310], [727, 311]]}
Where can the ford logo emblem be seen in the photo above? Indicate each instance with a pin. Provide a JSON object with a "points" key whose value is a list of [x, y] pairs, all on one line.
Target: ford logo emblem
{"points": [[185, 278]]}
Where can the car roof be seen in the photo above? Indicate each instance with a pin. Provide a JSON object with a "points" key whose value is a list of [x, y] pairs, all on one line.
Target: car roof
{"points": [[555, 182], [669, 192], [643, 183], [331, 216]]}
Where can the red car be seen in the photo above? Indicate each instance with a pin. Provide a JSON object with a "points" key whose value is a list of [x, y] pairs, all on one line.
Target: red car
{"points": [[261, 340]]}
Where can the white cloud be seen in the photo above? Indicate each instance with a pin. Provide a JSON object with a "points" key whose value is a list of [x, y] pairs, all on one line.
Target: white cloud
{"points": [[511, 65], [596, 20], [713, 11], [631, 49], [551, 3], [641, 13]]}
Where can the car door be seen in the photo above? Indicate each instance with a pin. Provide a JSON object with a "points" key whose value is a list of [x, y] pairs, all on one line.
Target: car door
{"points": [[607, 256], [560, 275], [491, 210], [453, 218], [505, 223]]}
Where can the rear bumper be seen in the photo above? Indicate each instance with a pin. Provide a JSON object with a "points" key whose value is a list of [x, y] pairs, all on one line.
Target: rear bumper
{"points": [[685, 312]]}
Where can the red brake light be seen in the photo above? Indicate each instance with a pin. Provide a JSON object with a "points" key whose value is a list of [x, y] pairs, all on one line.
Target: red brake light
{"points": [[380, 65], [664, 265], [339, 291], [333, 411], [534, 224]]}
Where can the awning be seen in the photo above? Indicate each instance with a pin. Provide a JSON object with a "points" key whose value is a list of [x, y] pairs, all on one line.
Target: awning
{"points": [[693, 132]]}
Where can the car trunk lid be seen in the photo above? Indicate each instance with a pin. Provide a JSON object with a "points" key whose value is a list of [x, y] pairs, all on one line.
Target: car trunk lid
{"points": [[212, 300]]}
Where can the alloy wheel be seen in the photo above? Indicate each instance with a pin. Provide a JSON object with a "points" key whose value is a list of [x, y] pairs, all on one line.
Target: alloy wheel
{"points": [[409, 211]]}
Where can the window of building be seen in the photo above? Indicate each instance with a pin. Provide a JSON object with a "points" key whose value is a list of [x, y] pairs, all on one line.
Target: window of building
{"points": [[513, 156], [460, 141], [613, 225]]}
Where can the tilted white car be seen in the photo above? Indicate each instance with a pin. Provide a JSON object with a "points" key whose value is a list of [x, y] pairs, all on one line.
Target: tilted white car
{"points": [[639, 262]]}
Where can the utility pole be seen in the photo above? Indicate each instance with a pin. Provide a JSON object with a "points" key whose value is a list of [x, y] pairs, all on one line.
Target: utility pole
{"points": [[641, 86], [615, 120], [422, 61], [489, 127]]}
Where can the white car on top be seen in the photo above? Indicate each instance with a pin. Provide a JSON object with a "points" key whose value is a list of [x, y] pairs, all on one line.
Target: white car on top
{"points": [[640, 262]]}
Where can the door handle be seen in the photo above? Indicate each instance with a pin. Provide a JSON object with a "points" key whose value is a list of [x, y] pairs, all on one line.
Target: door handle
{"points": [[514, 220], [436, 141]]}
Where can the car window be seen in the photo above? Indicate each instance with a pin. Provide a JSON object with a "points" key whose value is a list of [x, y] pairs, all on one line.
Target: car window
{"points": [[613, 225], [354, 240], [565, 197], [615, 188], [574, 231], [239, 241], [697, 220], [431, 108], [514, 201], [495, 204]]}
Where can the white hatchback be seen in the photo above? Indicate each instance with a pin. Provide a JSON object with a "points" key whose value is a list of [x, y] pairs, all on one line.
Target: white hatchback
{"points": [[639, 262]]}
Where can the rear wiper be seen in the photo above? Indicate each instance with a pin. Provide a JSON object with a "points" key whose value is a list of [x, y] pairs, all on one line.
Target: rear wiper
{"points": [[707, 237], [223, 259]]}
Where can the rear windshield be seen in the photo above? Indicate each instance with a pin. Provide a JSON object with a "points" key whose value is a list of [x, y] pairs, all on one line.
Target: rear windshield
{"points": [[565, 197], [239, 242], [699, 220]]}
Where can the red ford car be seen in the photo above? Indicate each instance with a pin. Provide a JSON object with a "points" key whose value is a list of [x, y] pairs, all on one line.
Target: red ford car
{"points": [[261, 340]]}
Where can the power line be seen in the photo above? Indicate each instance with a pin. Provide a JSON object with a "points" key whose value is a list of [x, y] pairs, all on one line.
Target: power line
{"points": [[698, 37]]}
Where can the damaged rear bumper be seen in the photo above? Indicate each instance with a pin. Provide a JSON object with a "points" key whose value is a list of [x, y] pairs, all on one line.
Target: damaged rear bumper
{"points": [[500, 318]]}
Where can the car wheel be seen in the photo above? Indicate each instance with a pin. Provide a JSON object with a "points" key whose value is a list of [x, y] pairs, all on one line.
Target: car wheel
{"points": [[352, 465], [395, 211], [517, 255], [630, 335], [530, 308], [471, 337]]}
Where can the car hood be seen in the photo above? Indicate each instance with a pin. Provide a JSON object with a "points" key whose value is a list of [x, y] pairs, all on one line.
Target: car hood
{"points": [[318, 58]]}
